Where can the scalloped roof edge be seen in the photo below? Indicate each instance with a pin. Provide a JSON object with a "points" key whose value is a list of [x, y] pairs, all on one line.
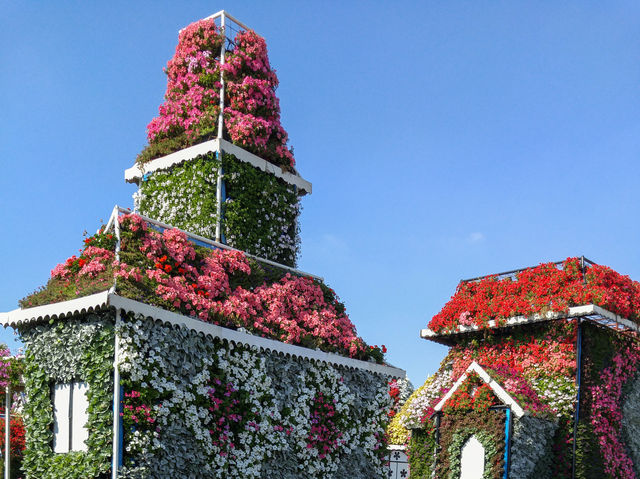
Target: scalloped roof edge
{"points": [[107, 299]]}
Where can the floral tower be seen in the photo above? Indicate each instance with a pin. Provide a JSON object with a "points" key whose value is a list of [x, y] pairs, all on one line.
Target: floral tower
{"points": [[218, 163], [182, 341], [542, 379]]}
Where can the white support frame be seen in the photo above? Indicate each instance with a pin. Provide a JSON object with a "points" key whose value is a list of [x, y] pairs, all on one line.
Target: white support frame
{"points": [[215, 244], [137, 172], [498, 390]]}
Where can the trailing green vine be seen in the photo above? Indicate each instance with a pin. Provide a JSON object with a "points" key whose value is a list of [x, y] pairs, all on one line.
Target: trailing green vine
{"points": [[456, 429], [260, 210], [60, 352]]}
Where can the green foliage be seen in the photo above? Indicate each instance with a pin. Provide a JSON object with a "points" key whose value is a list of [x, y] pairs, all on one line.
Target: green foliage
{"points": [[163, 147], [261, 212], [184, 196], [456, 429], [63, 351], [420, 451]]}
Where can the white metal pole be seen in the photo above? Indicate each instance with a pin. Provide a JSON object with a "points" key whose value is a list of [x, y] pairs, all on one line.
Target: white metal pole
{"points": [[223, 50], [7, 433], [115, 463], [116, 230]]}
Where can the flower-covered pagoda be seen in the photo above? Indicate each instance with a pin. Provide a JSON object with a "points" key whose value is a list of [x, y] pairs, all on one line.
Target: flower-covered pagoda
{"points": [[542, 379], [182, 341]]}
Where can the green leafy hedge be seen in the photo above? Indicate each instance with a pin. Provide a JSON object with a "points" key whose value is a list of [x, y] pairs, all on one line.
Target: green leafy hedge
{"points": [[63, 351], [260, 211]]}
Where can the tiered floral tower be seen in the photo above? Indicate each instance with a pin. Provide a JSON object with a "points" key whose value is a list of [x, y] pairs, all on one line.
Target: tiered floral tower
{"points": [[218, 163], [182, 341], [542, 379]]}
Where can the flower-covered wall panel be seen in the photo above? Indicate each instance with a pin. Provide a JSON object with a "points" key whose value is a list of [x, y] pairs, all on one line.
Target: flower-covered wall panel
{"points": [[78, 349], [198, 407], [260, 211]]}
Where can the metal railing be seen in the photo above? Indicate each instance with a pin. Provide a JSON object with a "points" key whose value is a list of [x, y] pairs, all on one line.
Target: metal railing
{"points": [[584, 264], [195, 239]]}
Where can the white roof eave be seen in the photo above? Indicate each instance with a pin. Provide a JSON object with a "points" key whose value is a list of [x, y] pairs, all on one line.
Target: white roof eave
{"points": [[106, 299], [136, 172], [574, 312]]}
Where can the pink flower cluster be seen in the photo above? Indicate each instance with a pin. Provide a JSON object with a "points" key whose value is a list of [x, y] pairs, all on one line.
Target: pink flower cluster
{"points": [[292, 310], [324, 434], [606, 417], [136, 412], [92, 261], [192, 100]]}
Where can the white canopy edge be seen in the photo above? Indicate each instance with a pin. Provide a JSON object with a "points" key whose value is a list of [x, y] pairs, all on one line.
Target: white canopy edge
{"points": [[498, 390], [574, 312], [136, 172], [106, 299]]}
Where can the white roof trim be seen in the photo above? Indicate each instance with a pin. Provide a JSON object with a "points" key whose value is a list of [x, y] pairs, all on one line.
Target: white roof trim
{"points": [[105, 299], [86, 304], [498, 390], [136, 172], [576, 311]]}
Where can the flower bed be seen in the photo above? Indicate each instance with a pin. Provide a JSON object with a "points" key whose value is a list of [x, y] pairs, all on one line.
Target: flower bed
{"points": [[539, 290], [218, 286], [190, 111]]}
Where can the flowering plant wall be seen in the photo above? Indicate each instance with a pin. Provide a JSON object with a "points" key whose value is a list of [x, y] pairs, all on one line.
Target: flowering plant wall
{"points": [[223, 287], [539, 290], [63, 351], [260, 211], [610, 367], [190, 111], [201, 407], [535, 364]]}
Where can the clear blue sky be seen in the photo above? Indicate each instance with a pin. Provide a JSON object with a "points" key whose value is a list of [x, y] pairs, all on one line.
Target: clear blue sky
{"points": [[444, 140]]}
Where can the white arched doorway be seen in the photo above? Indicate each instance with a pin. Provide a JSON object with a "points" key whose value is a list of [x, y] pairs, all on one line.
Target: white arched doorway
{"points": [[472, 459]]}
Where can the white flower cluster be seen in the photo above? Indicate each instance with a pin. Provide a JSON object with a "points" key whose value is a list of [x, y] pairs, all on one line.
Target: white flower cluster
{"points": [[178, 366], [558, 390], [424, 397]]}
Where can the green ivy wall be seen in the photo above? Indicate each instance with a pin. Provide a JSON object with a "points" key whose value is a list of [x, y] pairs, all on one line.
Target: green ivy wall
{"points": [[60, 352], [260, 211]]}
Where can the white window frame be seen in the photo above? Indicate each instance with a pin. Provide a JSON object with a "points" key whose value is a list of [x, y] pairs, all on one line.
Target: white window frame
{"points": [[70, 403]]}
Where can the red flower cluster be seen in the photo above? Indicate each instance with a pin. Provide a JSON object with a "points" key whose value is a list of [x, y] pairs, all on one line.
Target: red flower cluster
{"points": [[17, 437], [539, 290], [472, 394]]}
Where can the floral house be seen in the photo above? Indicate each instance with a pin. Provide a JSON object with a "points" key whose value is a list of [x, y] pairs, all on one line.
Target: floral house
{"points": [[542, 379], [183, 341]]}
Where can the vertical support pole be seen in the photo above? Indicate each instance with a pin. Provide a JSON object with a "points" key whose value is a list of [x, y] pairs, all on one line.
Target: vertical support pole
{"points": [[579, 387], [116, 231], [7, 432], [507, 445], [117, 425], [223, 50]]}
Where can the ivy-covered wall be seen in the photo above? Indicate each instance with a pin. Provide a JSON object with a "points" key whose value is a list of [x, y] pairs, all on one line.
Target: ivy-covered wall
{"points": [[260, 211], [199, 407], [455, 429], [75, 349], [531, 448]]}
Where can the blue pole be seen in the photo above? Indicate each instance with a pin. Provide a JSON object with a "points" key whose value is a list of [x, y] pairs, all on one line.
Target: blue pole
{"points": [[121, 445], [507, 442]]}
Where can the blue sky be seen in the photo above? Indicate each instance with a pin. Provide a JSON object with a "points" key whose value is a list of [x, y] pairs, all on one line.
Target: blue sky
{"points": [[444, 140]]}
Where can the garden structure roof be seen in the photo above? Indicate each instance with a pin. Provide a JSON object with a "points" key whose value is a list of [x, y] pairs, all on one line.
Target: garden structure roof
{"points": [[573, 288], [590, 312], [137, 171], [499, 391], [72, 309]]}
